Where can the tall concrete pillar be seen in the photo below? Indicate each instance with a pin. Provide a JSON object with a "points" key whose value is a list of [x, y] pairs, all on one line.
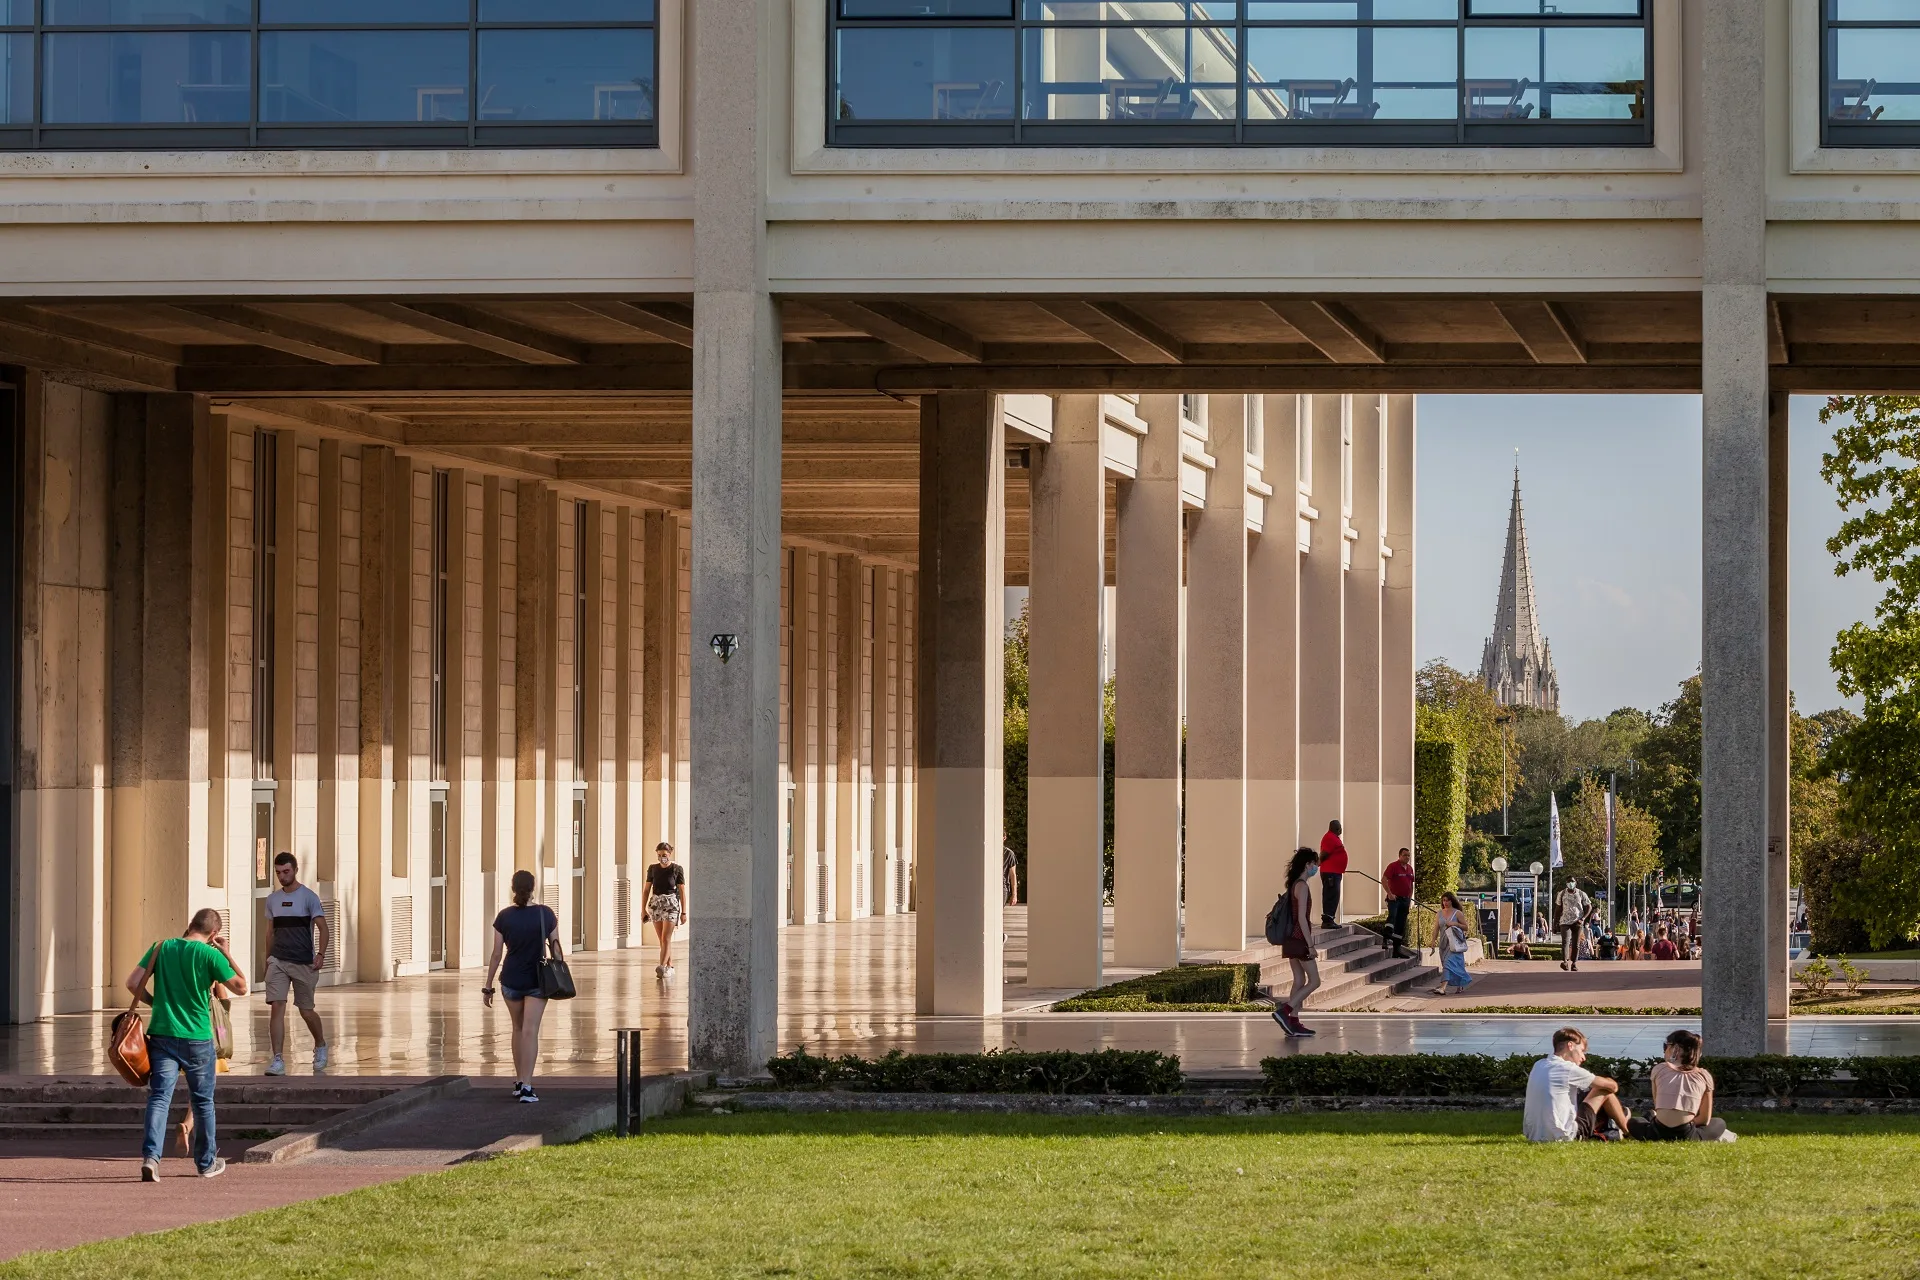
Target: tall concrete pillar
{"points": [[849, 713], [381, 522], [1360, 748], [1066, 806], [1216, 863], [732, 1004], [1397, 656], [960, 704], [1323, 621], [1149, 666], [1779, 717], [1273, 659], [1734, 409]]}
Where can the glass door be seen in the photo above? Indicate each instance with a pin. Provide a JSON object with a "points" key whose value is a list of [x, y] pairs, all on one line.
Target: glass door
{"points": [[437, 881], [263, 882], [579, 868]]}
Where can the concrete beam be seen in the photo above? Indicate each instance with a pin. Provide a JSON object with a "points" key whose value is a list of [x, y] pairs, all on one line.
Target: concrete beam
{"points": [[482, 330], [1333, 330], [669, 320], [277, 333], [1546, 331], [1120, 332], [906, 328]]}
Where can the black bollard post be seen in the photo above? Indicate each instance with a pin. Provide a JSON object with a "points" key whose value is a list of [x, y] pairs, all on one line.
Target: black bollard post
{"points": [[626, 1082]]}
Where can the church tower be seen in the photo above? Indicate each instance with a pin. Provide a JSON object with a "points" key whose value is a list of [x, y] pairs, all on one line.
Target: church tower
{"points": [[1517, 663]]}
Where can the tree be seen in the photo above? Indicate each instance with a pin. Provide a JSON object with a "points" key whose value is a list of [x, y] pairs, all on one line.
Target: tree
{"points": [[1460, 709], [1583, 836], [1013, 777], [1666, 779], [1874, 467]]}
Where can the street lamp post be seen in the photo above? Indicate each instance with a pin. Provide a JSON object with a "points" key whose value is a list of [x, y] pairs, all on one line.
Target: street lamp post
{"points": [[1499, 896]]}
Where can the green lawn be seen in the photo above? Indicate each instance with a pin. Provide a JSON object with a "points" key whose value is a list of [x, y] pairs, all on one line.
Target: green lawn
{"points": [[1314, 1196]]}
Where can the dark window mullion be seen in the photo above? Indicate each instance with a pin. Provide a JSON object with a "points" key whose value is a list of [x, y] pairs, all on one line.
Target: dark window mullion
{"points": [[473, 72]]}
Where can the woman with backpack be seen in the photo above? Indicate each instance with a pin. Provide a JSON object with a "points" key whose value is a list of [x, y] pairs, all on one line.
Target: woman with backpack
{"points": [[523, 932], [1295, 927], [1450, 940]]}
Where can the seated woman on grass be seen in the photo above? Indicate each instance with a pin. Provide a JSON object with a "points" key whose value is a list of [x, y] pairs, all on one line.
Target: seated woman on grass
{"points": [[1521, 951], [1682, 1098]]}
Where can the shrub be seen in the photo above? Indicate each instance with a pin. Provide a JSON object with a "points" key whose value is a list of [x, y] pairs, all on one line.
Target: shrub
{"points": [[997, 1071], [1408, 1075], [1885, 1077], [1439, 816], [1828, 865], [1185, 986], [1815, 976], [1854, 976], [1777, 1075]]}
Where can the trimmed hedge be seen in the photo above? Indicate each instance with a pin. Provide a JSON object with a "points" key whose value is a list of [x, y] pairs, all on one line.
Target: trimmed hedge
{"points": [[1439, 816], [1439, 1075], [997, 1071], [1193, 987]]}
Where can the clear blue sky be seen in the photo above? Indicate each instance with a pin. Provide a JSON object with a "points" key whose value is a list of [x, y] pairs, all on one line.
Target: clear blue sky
{"points": [[1611, 486]]}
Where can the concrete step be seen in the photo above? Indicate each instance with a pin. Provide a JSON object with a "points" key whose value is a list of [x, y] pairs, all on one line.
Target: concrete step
{"points": [[133, 1113], [251, 1089]]}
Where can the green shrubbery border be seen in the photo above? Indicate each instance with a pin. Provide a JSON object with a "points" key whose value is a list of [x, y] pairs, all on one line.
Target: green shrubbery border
{"points": [[1191, 988], [997, 1071], [1443, 1075]]}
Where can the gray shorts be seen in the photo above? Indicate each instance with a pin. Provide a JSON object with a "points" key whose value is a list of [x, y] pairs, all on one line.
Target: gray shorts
{"points": [[284, 974]]}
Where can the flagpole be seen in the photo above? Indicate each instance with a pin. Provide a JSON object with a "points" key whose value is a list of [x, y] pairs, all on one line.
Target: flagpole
{"points": [[1612, 791]]}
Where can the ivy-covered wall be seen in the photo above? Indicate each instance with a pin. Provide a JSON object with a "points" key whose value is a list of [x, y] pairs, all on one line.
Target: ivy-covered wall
{"points": [[1439, 816]]}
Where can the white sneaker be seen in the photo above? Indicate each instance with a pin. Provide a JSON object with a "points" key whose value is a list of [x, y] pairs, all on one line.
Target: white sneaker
{"points": [[214, 1170], [278, 1067], [320, 1058], [149, 1171], [669, 971], [1729, 1136]]}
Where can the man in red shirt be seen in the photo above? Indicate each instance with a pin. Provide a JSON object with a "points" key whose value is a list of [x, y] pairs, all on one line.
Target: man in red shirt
{"points": [[1333, 865], [1399, 884]]}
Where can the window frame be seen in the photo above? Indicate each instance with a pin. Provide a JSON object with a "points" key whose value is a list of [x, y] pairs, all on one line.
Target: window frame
{"points": [[256, 134], [1853, 134], [1019, 132]]}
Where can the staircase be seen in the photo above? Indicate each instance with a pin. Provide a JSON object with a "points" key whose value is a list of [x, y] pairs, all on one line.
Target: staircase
{"points": [[73, 1107], [1357, 971]]}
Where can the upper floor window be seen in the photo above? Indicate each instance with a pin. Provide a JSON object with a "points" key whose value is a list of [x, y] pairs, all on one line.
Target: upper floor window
{"points": [[214, 74], [1254, 72], [1871, 70]]}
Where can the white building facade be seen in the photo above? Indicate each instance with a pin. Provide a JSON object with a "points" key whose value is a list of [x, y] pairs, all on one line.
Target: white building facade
{"points": [[414, 400]]}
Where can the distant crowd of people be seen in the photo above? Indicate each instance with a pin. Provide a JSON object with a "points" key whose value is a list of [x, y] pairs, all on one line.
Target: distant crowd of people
{"points": [[1665, 933]]}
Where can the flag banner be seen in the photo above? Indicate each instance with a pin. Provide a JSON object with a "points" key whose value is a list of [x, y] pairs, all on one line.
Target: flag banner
{"points": [[1553, 829]]}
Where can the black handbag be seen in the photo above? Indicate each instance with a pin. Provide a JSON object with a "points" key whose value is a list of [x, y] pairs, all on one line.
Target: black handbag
{"points": [[556, 979]]}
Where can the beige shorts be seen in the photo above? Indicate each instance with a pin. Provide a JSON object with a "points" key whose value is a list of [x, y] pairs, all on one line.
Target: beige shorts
{"points": [[301, 977]]}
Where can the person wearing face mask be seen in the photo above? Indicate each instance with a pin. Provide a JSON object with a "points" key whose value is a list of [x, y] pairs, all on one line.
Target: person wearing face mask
{"points": [[1298, 945], [1450, 940]]}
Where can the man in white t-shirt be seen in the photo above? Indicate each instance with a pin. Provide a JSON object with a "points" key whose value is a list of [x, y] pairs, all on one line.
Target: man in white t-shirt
{"points": [[295, 914], [1565, 1101]]}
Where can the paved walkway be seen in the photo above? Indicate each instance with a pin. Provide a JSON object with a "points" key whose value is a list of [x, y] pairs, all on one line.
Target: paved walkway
{"points": [[849, 988], [55, 1196]]}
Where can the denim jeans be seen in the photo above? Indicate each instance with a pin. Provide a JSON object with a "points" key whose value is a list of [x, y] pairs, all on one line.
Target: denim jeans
{"points": [[170, 1059]]}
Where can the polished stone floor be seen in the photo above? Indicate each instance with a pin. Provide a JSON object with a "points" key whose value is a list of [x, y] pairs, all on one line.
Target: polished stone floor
{"points": [[849, 988]]}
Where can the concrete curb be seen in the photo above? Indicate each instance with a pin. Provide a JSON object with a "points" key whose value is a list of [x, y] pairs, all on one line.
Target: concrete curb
{"points": [[1207, 1104], [302, 1142], [658, 1097]]}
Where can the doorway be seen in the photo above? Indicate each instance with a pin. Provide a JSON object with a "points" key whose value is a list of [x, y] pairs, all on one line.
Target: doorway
{"points": [[437, 881], [263, 881], [579, 868]]}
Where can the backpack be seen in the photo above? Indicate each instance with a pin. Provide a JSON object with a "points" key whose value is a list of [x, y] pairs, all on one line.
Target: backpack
{"points": [[1280, 921]]}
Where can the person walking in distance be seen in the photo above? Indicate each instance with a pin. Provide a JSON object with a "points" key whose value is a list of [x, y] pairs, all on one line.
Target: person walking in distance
{"points": [[522, 933], [1571, 909], [1298, 947], [293, 964], [1333, 865], [183, 971], [666, 903], [1399, 884], [1450, 933]]}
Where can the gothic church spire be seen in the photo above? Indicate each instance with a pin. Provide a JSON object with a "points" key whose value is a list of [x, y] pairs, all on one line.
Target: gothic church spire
{"points": [[1517, 663]]}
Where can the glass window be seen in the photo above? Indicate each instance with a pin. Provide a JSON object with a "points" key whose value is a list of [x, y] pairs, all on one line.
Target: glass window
{"points": [[362, 12], [934, 73], [143, 13], [566, 10], [1262, 72], [339, 76], [1517, 73], [1872, 73], [1131, 73], [1352, 73], [571, 74], [16, 79], [16, 13], [151, 77]]}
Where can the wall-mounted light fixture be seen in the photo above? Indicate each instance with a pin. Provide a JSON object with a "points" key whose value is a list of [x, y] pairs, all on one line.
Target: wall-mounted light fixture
{"points": [[724, 646]]}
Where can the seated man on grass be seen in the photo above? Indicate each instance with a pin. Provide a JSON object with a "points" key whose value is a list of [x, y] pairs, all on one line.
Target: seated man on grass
{"points": [[1566, 1102]]}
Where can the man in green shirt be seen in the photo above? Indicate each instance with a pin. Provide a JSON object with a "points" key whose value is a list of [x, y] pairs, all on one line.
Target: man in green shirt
{"points": [[180, 1033]]}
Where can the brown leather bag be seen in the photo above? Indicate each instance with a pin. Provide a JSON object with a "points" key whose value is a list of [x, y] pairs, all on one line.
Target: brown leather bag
{"points": [[127, 1042]]}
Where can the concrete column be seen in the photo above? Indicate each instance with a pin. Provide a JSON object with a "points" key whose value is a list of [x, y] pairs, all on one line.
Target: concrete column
{"points": [[1323, 597], [532, 663], [734, 988], [1397, 657], [496, 720], [1216, 864], [1273, 659], [887, 746], [659, 673], [961, 699], [1150, 637], [601, 750], [631, 851], [1360, 747], [1734, 408], [1066, 745], [1779, 716], [380, 523], [803, 708], [850, 882], [468, 918]]}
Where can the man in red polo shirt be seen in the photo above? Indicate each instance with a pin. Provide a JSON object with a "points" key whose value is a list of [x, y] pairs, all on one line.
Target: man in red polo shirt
{"points": [[1333, 865], [1399, 884]]}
